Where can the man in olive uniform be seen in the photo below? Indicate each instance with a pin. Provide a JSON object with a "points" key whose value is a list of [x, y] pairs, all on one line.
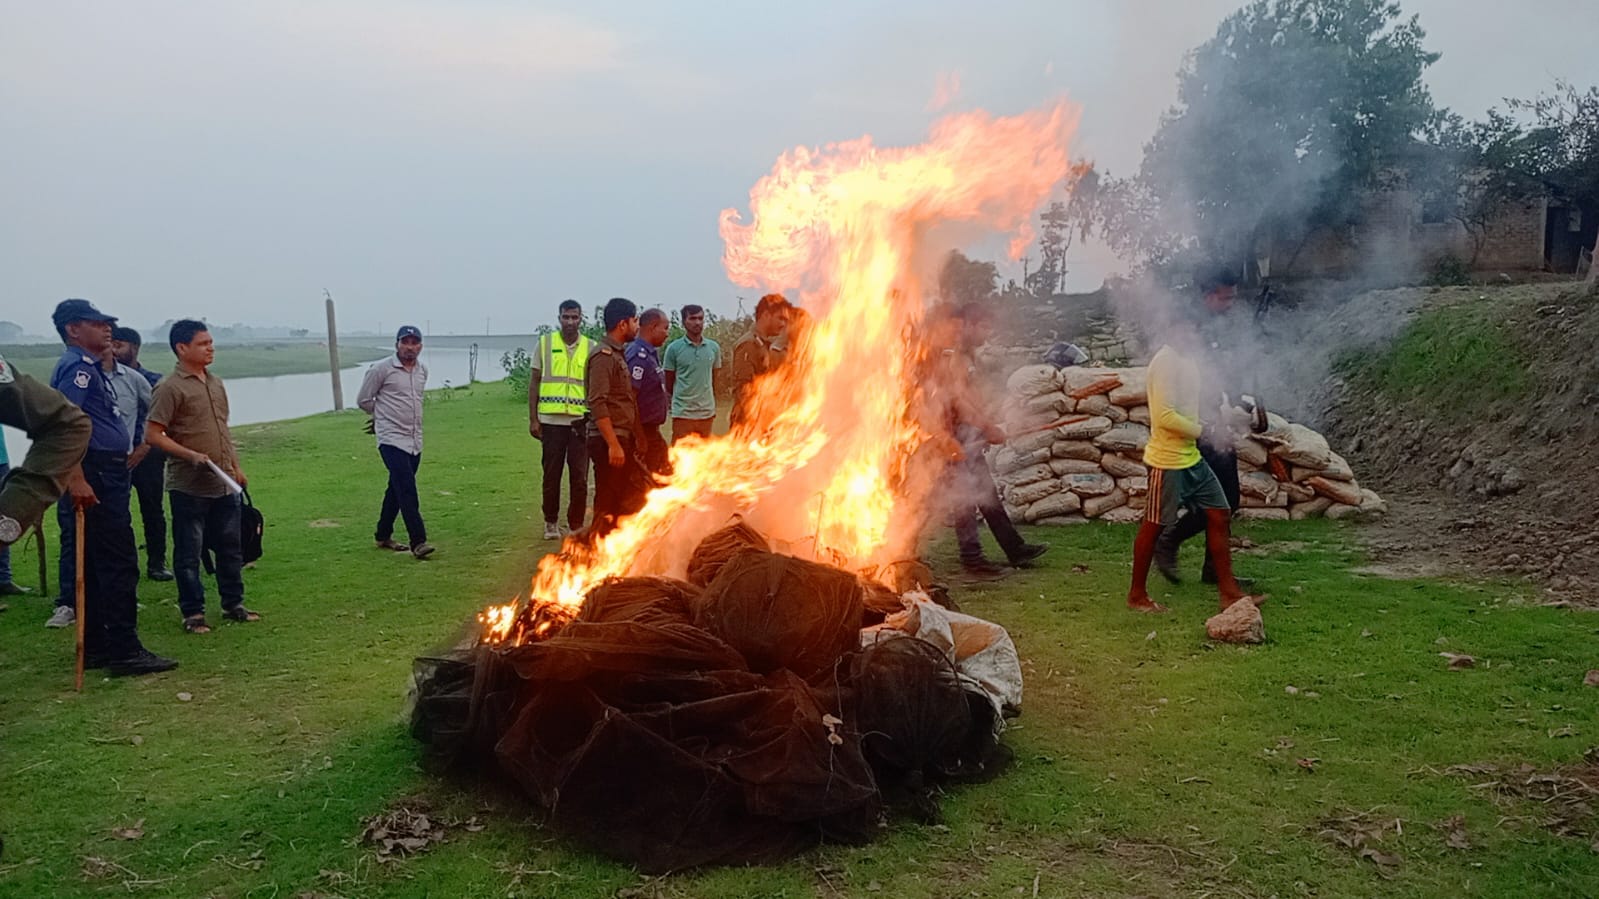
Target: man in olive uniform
{"points": [[60, 434], [755, 354], [110, 554], [620, 479]]}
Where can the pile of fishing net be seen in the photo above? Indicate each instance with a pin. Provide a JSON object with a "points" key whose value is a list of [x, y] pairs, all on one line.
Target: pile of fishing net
{"points": [[774, 704]]}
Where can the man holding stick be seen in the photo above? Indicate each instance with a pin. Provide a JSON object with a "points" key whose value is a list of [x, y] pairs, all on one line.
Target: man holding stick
{"points": [[110, 569]]}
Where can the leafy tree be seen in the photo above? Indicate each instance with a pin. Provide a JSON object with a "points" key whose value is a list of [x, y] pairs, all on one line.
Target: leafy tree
{"points": [[1060, 225], [1281, 118], [963, 280]]}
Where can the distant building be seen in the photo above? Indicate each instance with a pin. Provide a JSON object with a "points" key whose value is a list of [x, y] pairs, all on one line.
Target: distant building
{"points": [[1399, 235]]}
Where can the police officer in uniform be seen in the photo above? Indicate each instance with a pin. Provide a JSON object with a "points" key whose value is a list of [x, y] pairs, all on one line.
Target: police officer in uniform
{"points": [[620, 479], [110, 555], [60, 434]]}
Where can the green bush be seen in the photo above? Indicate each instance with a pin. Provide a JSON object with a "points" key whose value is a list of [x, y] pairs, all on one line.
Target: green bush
{"points": [[518, 367], [1450, 271]]}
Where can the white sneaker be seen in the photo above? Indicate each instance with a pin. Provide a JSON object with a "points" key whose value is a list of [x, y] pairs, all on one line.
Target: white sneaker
{"points": [[566, 531], [551, 532], [63, 616]]}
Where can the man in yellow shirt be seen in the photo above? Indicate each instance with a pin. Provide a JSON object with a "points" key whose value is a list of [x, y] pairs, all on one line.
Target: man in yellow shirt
{"points": [[1178, 476]]}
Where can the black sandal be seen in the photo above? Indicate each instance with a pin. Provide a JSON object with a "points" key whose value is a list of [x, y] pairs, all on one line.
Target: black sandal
{"points": [[195, 624], [240, 613]]}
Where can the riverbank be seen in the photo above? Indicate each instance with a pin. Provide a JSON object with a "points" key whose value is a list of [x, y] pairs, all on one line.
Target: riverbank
{"points": [[252, 361], [1149, 762]]}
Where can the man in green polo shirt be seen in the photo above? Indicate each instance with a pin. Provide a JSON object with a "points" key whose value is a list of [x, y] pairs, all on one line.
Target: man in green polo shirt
{"points": [[691, 362]]}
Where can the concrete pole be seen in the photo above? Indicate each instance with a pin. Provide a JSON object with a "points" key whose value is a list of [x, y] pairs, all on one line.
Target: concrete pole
{"points": [[1593, 265], [333, 356]]}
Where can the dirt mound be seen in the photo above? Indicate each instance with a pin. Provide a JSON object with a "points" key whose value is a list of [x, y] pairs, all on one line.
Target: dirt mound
{"points": [[1485, 412]]}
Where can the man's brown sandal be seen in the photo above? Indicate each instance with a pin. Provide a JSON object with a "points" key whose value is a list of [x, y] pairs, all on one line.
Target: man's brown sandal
{"points": [[195, 624]]}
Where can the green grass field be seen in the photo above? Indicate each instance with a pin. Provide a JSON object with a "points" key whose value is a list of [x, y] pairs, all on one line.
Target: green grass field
{"points": [[255, 360], [1149, 763]]}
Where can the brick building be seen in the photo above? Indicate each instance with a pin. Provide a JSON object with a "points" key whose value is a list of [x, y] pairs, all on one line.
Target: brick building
{"points": [[1399, 236]]}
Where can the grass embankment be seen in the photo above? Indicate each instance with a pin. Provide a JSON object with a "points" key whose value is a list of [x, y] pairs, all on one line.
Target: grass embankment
{"points": [[254, 360], [1457, 361], [1148, 762]]}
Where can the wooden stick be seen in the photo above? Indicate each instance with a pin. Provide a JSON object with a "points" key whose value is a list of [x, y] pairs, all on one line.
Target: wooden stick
{"points": [[77, 577], [1068, 420]]}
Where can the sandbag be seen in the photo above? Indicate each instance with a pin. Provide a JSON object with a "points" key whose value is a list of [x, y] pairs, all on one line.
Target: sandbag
{"points": [[1371, 503], [1120, 466], [1259, 485], [1342, 492], [1032, 474], [1299, 445], [1063, 467], [1122, 515], [1297, 493], [1339, 511], [1055, 404], [1095, 484], [1278, 501], [1097, 404], [1095, 506], [1086, 429], [1052, 506], [1116, 414], [1132, 392], [1027, 494], [1139, 414], [1033, 380], [1075, 449], [1247, 514], [1133, 486], [1250, 451], [1084, 382], [1314, 508], [1027, 443], [1127, 438], [1008, 459], [1062, 520]]}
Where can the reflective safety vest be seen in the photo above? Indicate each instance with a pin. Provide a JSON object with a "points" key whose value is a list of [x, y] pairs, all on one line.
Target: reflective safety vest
{"points": [[561, 389]]}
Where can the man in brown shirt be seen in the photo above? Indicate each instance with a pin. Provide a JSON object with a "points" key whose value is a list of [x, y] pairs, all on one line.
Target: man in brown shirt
{"points": [[755, 354], [620, 479], [188, 421]]}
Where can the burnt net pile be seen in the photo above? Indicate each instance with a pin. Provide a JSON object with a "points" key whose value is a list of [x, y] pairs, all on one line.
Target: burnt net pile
{"points": [[765, 705]]}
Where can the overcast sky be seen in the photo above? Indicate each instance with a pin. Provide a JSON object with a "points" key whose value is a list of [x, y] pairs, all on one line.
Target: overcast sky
{"points": [[471, 163]]}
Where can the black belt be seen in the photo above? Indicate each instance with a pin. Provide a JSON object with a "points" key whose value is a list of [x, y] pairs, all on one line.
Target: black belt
{"points": [[106, 455]]}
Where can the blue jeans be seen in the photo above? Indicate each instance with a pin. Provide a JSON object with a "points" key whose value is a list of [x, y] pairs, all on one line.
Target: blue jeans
{"points": [[204, 522]]}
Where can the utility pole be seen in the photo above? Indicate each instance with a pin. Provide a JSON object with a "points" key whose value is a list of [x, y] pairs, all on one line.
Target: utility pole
{"points": [[333, 354]]}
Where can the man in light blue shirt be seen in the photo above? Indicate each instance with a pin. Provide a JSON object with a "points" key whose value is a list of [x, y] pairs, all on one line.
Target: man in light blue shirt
{"points": [[691, 362]]}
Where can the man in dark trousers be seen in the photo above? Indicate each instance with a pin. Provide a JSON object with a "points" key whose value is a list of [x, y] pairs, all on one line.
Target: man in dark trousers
{"points": [[620, 479], [189, 422], [391, 393], [556, 411], [972, 486], [1222, 411], [110, 555], [149, 465], [643, 359]]}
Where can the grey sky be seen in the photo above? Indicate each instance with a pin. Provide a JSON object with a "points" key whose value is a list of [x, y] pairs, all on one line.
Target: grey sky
{"points": [[458, 162]]}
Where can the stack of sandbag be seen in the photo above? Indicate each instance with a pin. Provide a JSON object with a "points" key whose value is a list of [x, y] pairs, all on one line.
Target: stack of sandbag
{"points": [[1077, 448]]}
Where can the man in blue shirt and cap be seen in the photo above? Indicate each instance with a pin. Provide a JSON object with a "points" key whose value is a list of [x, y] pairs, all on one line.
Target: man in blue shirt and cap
{"points": [[110, 554], [649, 382]]}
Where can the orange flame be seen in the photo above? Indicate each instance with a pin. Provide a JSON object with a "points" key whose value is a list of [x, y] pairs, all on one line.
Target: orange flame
{"points": [[827, 464]]}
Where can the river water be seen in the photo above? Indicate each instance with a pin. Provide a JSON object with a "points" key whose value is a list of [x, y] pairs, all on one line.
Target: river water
{"points": [[254, 400]]}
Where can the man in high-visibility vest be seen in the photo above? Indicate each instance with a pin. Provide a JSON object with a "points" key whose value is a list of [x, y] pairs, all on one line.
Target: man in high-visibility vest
{"points": [[556, 412]]}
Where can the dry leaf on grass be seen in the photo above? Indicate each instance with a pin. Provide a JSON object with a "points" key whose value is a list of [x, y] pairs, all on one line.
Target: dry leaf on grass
{"points": [[1454, 830], [1458, 661], [132, 832]]}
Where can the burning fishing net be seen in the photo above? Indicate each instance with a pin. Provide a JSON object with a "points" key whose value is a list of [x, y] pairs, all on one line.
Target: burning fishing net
{"points": [[686, 691]]}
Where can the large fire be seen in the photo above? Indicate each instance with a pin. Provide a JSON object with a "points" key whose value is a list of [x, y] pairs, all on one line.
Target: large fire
{"points": [[830, 464]]}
